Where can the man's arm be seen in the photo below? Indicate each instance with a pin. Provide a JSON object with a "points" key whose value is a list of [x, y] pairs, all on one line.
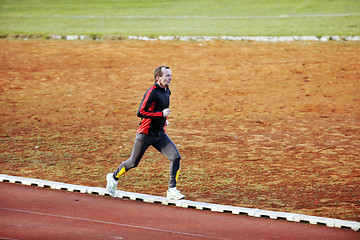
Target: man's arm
{"points": [[146, 109]]}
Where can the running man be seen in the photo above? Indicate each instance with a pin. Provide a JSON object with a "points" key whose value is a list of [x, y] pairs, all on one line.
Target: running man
{"points": [[153, 111]]}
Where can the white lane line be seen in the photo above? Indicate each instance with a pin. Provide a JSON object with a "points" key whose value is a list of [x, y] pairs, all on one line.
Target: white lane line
{"points": [[188, 17], [110, 223]]}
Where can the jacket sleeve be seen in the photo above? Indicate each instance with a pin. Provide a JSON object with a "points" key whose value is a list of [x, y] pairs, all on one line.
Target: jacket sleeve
{"points": [[146, 108]]}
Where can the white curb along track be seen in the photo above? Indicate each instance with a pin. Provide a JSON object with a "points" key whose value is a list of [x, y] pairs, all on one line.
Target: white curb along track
{"points": [[211, 38], [249, 38], [253, 212], [188, 38]]}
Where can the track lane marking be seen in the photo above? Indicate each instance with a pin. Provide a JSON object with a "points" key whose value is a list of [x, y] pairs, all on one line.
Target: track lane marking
{"points": [[110, 223], [187, 17]]}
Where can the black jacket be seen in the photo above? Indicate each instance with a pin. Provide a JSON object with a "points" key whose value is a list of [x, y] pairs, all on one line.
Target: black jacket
{"points": [[155, 100]]}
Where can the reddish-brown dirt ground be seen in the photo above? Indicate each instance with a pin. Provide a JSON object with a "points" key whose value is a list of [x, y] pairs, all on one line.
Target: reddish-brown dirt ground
{"points": [[274, 126]]}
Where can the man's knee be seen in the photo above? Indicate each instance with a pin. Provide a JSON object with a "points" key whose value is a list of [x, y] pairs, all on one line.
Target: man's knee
{"points": [[176, 158]]}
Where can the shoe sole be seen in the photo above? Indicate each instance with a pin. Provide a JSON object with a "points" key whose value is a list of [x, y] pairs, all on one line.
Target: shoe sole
{"points": [[176, 198]]}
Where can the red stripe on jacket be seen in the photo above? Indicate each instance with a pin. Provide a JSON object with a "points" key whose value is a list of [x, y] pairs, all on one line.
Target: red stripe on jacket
{"points": [[151, 108], [147, 115]]}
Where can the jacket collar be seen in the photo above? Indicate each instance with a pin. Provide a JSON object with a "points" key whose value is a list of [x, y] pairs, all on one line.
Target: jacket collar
{"points": [[159, 87]]}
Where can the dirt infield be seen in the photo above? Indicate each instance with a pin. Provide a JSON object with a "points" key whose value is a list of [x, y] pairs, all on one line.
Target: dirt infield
{"points": [[274, 126]]}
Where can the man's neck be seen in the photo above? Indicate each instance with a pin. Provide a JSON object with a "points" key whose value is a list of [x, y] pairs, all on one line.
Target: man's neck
{"points": [[165, 88]]}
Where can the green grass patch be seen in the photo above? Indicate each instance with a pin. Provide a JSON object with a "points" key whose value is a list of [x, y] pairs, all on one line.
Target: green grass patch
{"points": [[203, 17]]}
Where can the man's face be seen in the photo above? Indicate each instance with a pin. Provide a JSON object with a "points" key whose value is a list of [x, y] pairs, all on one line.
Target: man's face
{"points": [[166, 78]]}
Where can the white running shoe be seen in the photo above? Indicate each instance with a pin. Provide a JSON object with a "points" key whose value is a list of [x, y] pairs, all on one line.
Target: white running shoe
{"points": [[173, 193], [111, 184]]}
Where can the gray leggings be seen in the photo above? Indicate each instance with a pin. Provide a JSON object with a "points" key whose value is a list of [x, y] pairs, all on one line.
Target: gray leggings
{"points": [[163, 144]]}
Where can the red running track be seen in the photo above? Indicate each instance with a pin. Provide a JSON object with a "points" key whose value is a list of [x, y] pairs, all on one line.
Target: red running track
{"points": [[38, 213]]}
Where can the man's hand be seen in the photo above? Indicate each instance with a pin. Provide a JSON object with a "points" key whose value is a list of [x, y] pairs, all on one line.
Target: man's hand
{"points": [[166, 112]]}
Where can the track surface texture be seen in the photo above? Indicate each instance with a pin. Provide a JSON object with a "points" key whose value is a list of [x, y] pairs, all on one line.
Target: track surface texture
{"points": [[39, 213], [273, 126]]}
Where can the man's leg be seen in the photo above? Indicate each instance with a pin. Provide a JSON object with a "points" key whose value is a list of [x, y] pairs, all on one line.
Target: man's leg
{"points": [[141, 144], [168, 148]]}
